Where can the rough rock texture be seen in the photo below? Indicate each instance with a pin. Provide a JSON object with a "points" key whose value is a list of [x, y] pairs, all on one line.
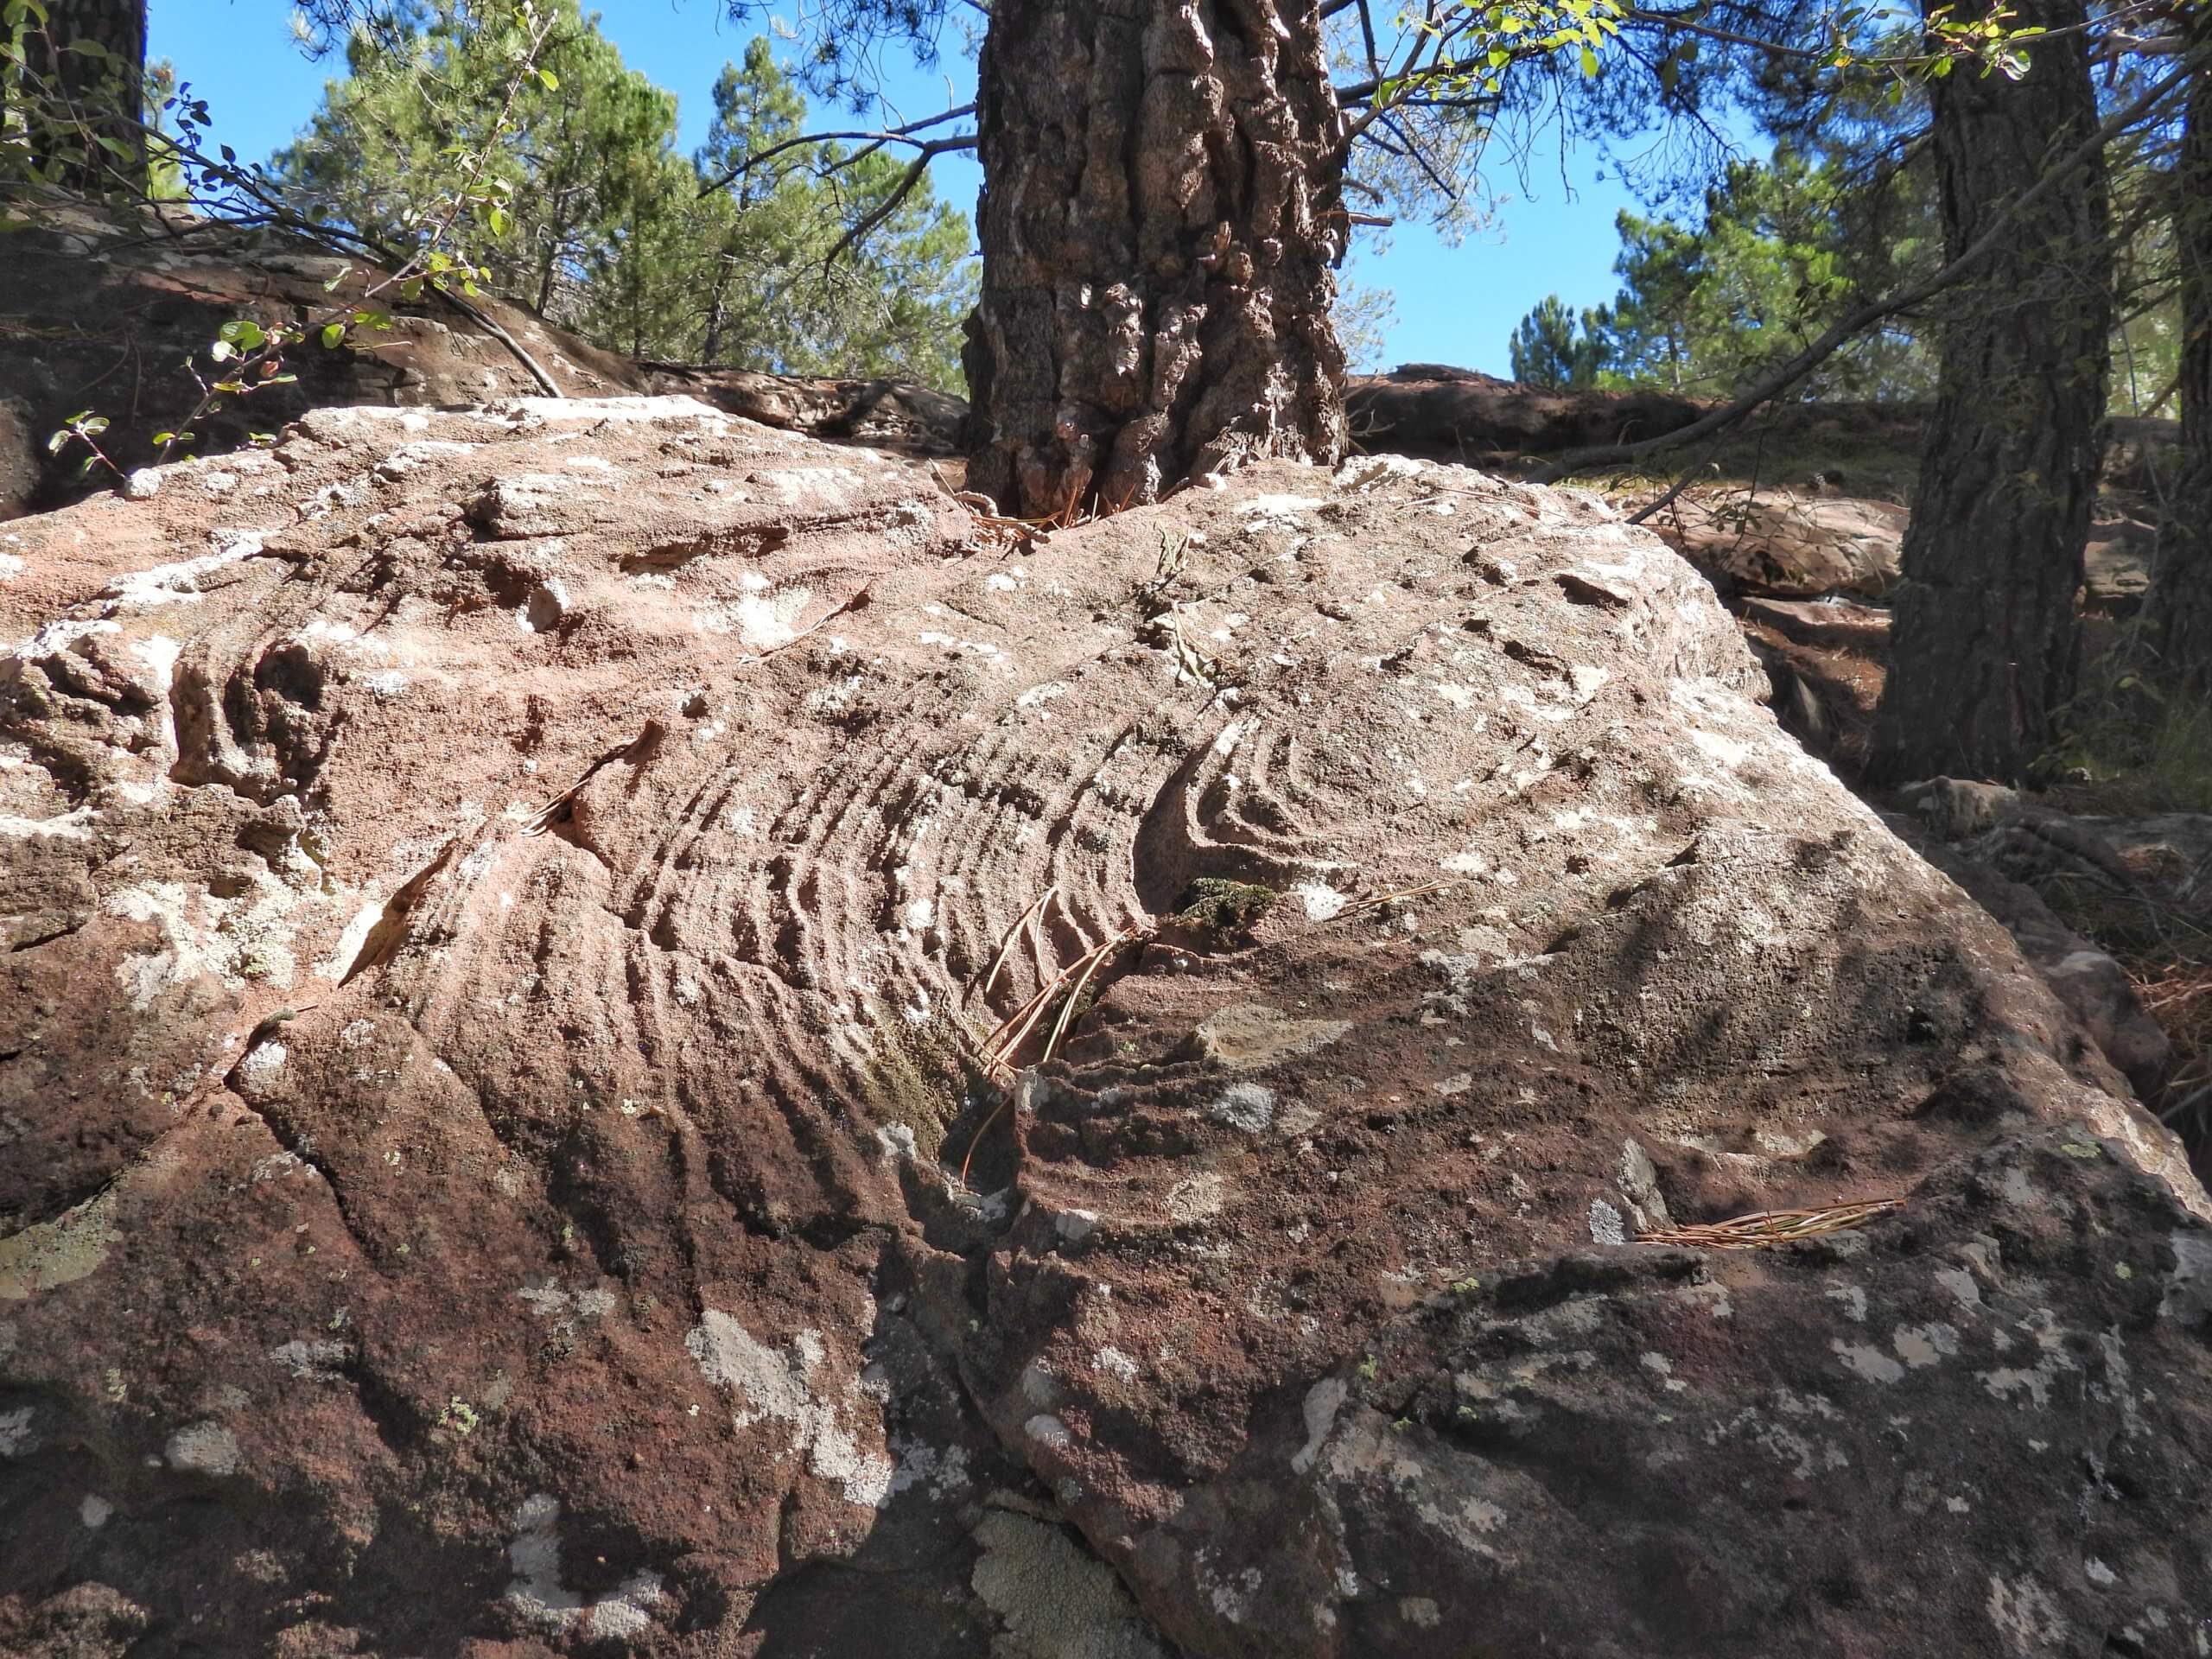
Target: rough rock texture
{"points": [[2089, 980], [100, 313], [1839, 623], [894, 414], [1428, 409], [1787, 542], [497, 898], [2009, 851]]}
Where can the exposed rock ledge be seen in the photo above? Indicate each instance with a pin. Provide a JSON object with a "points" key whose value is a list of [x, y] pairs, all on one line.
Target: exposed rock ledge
{"points": [[491, 898]]}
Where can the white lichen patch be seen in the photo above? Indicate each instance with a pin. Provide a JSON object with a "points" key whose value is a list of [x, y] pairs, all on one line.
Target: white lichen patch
{"points": [[1248, 1034], [95, 1511], [237, 938], [1048, 1430], [1246, 1106], [534, 1557], [2188, 1296], [944, 1474], [1923, 1346], [2026, 1615], [1607, 1225], [2033, 1382], [66, 826], [1863, 1359], [762, 619], [780, 1388], [1960, 1283], [537, 1594], [1323, 1401], [1055, 1600], [1195, 1198], [564, 1307], [312, 1360], [181, 583], [15, 1436], [71, 1247], [263, 1065], [1321, 903], [206, 1448]]}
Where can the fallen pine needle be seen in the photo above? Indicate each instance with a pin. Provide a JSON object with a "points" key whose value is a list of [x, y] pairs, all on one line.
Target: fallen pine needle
{"points": [[1089, 965], [1762, 1227], [1392, 897], [1005, 945]]}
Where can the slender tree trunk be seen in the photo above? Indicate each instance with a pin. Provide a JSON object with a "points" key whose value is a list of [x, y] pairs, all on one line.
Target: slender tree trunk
{"points": [[713, 340], [1985, 643], [2181, 604], [1160, 227], [718, 302], [101, 97]]}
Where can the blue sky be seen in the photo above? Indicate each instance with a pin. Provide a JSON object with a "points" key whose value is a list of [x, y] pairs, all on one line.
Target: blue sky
{"points": [[1454, 304]]}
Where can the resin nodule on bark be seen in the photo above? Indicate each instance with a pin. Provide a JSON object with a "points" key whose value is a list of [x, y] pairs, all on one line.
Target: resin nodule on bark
{"points": [[1159, 228]]}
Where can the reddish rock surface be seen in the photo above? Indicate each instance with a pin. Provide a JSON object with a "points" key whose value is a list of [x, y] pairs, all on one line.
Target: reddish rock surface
{"points": [[1429, 409], [99, 313], [504, 906]]}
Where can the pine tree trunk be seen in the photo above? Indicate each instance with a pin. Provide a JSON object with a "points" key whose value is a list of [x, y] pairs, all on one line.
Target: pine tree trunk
{"points": [[1985, 648], [1160, 227], [2181, 603], [105, 95]]}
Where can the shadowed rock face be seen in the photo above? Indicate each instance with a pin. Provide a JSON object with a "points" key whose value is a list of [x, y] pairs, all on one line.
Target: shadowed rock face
{"points": [[501, 905], [104, 311]]}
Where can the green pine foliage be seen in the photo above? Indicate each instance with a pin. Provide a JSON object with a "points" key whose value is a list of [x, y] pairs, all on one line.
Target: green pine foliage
{"points": [[1705, 309], [607, 232]]}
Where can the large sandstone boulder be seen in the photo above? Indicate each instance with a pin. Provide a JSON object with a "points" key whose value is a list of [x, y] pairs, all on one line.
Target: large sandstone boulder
{"points": [[896, 414], [1431, 409], [1787, 542], [504, 1155]]}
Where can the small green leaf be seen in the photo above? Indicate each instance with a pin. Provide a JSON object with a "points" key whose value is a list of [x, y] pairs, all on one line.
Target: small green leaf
{"points": [[221, 352], [331, 333], [53, 444], [1589, 62], [548, 80]]}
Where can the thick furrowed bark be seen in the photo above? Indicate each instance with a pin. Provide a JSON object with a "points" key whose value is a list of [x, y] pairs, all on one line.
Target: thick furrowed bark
{"points": [[104, 94], [1159, 229], [2182, 603], [1985, 636]]}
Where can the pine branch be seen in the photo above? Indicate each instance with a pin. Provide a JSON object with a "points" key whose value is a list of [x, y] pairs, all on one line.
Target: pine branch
{"points": [[1778, 380]]}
